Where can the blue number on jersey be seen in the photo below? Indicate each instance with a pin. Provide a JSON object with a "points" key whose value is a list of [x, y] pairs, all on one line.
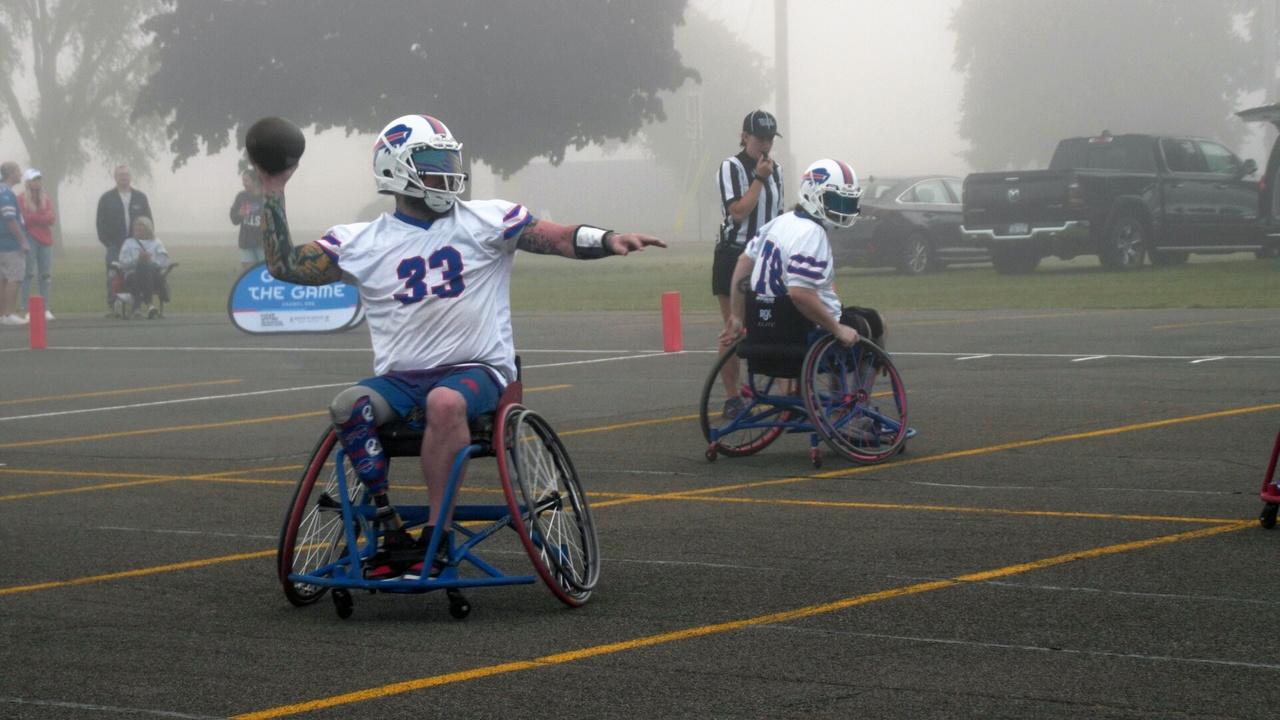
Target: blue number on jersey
{"points": [[771, 268], [414, 272]]}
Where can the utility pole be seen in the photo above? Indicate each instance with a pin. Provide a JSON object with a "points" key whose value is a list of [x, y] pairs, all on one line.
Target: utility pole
{"points": [[791, 173], [1269, 63]]}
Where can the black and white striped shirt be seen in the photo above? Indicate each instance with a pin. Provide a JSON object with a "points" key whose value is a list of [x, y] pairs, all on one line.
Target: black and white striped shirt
{"points": [[736, 174]]}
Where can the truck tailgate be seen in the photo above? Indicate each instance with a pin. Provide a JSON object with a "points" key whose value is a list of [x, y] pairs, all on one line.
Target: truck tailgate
{"points": [[1024, 200]]}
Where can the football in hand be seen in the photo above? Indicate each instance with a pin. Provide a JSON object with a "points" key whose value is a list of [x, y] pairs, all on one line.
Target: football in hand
{"points": [[274, 144]]}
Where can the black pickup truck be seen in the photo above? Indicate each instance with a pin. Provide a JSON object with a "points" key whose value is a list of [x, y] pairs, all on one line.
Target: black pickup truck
{"points": [[1121, 197]]}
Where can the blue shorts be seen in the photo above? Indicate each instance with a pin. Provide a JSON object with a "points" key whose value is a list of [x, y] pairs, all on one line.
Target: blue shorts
{"points": [[406, 391]]}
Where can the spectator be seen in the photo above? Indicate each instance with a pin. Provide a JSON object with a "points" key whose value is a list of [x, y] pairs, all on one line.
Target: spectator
{"points": [[13, 246], [144, 260], [117, 209], [38, 216], [246, 212]]}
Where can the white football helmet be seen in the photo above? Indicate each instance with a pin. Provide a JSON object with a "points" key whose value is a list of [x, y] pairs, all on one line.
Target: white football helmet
{"points": [[412, 150], [829, 191]]}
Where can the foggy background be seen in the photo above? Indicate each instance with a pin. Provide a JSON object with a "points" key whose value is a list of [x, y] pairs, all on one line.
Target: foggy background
{"points": [[870, 83]]}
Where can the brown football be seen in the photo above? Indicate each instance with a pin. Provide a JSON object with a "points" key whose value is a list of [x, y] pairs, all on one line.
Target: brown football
{"points": [[274, 144]]}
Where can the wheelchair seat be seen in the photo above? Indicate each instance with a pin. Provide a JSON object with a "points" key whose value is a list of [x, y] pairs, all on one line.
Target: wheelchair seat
{"points": [[402, 437], [777, 337]]}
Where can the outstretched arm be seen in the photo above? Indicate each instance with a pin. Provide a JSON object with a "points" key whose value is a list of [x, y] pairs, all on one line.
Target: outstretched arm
{"points": [[542, 237], [305, 265]]}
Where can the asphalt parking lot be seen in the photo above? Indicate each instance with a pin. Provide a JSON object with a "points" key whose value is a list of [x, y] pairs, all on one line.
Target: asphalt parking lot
{"points": [[1072, 534]]}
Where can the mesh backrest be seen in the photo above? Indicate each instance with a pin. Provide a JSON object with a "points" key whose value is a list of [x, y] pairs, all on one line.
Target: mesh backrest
{"points": [[777, 337]]}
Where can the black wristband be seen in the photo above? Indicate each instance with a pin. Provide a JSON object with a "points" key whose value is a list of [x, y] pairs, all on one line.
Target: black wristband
{"points": [[591, 243]]}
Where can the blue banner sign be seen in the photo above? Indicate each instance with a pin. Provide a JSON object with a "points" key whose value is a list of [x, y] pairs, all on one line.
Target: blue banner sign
{"points": [[261, 304]]}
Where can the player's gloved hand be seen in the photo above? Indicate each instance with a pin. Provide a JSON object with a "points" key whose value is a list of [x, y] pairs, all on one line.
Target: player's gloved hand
{"points": [[623, 243], [732, 331], [846, 335]]}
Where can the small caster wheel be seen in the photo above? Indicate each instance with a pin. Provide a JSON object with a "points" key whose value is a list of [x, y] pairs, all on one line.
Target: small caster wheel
{"points": [[902, 449], [1268, 517], [342, 603], [815, 457], [711, 453], [459, 608]]}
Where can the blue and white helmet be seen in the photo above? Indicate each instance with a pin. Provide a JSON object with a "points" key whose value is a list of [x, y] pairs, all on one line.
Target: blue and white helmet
{"points": [[829, 191], [413, 149]]}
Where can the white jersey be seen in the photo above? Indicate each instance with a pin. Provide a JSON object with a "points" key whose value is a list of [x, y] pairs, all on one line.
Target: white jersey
{"points": [[793, 251], [435, 292]]}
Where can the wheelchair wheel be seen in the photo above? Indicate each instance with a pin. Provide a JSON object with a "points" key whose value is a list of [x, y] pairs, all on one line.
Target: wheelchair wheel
{"points": [[313, 535], [548, 507], [735, 443], [855, 399]]}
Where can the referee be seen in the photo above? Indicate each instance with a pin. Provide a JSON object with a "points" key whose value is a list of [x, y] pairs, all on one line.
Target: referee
{"points": [[750, 196]]}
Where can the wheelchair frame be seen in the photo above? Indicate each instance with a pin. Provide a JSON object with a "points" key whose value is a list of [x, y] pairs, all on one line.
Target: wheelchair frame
{"points": [[570, 570]]}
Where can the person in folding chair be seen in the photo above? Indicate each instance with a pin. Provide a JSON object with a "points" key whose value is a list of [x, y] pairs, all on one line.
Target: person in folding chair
{"points": [[791, 257], [434, 277]]}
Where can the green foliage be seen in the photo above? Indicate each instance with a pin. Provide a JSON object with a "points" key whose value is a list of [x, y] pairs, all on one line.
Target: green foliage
{"points": [[514, 80], [1037, 71]]}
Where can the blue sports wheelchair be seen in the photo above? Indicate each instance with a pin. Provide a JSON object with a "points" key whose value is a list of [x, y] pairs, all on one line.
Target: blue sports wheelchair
{"points": [[800, 379], [330, 530]]}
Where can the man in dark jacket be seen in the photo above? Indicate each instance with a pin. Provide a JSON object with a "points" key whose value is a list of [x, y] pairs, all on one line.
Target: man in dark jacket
{"points": [[117, 209]]}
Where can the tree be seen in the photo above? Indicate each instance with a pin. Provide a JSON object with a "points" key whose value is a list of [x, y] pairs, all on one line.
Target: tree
{"points": [[87, 60], [514, 79], [1037, 71]]}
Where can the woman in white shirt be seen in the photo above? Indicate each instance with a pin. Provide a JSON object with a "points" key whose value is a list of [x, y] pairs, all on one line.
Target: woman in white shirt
{"points": [[144, 260]]}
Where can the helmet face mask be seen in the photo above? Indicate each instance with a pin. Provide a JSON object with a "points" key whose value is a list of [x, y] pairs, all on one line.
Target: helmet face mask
{"points": [[418, 157], [829, 191]]}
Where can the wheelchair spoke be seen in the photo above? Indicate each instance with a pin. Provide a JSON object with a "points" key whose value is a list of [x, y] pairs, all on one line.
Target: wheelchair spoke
{"points": [[856, 400]]}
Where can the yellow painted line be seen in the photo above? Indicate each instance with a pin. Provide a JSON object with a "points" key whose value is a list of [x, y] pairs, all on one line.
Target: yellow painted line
{"points": [[140, 572], [156, 431], [126, 391], [544, 388], [1176, 326], [623, 426], [400, 688], [139, 479], [960, 509], [88, 488], [1016, 445]]}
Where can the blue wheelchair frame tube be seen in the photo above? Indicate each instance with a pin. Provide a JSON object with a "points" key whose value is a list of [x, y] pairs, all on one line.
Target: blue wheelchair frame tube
{"points": [[346, 571]]}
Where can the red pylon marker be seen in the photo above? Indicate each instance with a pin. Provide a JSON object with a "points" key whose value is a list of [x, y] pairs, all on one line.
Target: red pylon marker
{"points": [[35, 322], [672, 334]]}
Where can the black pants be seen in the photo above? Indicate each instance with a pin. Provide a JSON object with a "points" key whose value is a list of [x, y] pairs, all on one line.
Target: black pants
{"points": [[145, 282]]}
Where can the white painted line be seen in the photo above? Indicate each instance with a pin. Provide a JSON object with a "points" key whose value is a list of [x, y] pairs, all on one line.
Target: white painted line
{"points": [[1026, 648], [1088, 358], [1205, 360], [229, 396], [96, 709], [972, 357], [193, 348], [1121, 356], [186, 532]]}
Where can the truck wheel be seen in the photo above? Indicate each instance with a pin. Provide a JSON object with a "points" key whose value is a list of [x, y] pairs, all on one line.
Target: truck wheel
{"points": [[1168, 257], [916, 255], [1125, 242], [1265, 252], [1014, 261]]}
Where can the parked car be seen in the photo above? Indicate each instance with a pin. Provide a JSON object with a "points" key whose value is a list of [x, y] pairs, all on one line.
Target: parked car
{"points": [[1121, 197], [911, 223]]}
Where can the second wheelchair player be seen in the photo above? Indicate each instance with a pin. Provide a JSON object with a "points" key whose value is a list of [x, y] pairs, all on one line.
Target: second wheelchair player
{"points": [[791, 257], [434, 277]]}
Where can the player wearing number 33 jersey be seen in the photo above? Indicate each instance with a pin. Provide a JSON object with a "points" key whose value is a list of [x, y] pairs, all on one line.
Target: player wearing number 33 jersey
{"points": [[451, 274]]}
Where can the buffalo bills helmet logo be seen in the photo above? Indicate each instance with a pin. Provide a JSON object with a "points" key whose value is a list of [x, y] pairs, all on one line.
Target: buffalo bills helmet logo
{"points": [[394, 137], [372, 446], [818, 175]]}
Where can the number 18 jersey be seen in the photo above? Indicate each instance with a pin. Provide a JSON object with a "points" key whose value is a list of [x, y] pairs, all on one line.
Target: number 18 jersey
{"points": [[435, 292], [792, 250]]}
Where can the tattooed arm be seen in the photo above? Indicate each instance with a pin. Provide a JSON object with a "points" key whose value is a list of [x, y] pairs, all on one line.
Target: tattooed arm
{"points": [[542, 237], [306, 265]]}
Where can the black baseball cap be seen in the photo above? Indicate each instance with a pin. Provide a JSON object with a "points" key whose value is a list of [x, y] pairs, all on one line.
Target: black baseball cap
{"points": [[761, 124]]}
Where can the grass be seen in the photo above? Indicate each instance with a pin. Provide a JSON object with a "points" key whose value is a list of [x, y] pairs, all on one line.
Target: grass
{"points": [[202, 282]]}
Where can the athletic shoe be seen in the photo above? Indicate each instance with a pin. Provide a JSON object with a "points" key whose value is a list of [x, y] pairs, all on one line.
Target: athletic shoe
{"points": [[15, 320], [733, 407], [397, 554], [152, 312], [48, 315]]}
